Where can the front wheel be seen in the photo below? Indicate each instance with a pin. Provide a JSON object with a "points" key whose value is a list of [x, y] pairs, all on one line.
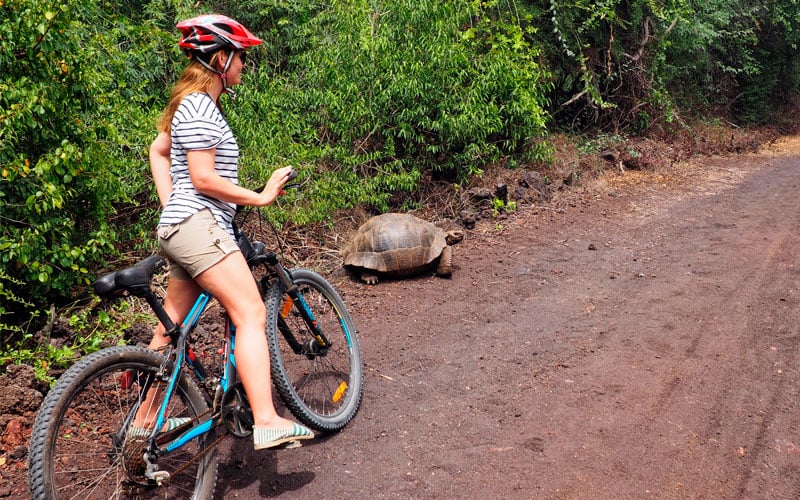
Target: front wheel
{"points": [[321, 387], [79, 445]]}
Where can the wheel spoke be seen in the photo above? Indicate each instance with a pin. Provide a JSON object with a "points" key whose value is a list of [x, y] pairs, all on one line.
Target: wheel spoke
{"points": [[322, 387], [73, 437]]}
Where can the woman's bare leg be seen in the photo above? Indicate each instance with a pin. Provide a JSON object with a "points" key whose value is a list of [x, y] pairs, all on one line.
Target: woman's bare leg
{"points": [[181, 296], [232, 284]]}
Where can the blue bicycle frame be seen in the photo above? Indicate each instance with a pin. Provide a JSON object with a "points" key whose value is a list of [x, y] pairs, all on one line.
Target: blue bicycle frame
{"points": [[184, 355]]}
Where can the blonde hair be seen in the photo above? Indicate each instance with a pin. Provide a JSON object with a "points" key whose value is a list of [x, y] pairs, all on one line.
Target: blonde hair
{"points": [[195, 78]]}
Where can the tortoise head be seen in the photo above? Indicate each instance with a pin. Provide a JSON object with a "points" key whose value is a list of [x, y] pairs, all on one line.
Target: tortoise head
{"points": [[453, 237]]}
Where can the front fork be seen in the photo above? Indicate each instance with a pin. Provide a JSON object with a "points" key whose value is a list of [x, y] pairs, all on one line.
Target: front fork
{"points": [[319, 344]]}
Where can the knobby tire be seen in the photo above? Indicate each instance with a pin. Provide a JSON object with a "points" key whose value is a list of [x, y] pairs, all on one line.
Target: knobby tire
{"points": [[72, 450], [322, 391]]}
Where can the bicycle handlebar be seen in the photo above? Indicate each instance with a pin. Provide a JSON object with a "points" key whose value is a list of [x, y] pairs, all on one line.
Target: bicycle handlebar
{"points": [[289, 185], [255, 252]]}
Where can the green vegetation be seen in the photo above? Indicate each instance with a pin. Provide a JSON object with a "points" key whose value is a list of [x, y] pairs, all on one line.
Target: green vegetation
{"points": [[369, 99], [92, 331]]}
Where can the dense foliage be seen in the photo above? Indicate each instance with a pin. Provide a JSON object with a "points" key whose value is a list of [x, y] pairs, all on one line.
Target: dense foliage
{"points": [[368, 97], [630, 65], [75, 114]]}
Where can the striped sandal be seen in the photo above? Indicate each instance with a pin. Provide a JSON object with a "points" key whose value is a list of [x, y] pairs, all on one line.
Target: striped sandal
{"points": [[270, 438], [171, 424]]}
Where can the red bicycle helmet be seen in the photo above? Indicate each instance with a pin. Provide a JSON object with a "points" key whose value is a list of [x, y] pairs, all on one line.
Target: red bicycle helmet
{"points": [[209, 33]]}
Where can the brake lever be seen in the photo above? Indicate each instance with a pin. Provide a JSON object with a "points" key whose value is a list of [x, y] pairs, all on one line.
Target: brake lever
{"points": [[289, 184]]}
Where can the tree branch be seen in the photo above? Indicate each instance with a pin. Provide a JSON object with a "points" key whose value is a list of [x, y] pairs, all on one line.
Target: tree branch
{"points": [[20, 54]]}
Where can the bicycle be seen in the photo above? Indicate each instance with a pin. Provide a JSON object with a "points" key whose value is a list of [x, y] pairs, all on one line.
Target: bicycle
{"points": [[80, 445]]}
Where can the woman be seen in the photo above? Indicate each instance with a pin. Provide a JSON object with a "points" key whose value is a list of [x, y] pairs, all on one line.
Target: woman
{"points": [[194, 165]]}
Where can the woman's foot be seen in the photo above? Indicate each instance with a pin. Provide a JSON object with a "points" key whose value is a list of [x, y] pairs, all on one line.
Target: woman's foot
{"points": [[268, 437], [170, 424]]}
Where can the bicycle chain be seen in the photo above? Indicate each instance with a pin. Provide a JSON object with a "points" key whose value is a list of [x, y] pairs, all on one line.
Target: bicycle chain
{"points": [[199, 455]]}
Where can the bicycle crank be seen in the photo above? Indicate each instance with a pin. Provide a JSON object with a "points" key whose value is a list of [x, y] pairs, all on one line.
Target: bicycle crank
{"points": [[236, 412]]}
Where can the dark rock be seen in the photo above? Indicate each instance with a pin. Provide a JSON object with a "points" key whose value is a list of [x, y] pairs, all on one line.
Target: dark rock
{"points": [[479, 194], [468, 219], [501, 192]]}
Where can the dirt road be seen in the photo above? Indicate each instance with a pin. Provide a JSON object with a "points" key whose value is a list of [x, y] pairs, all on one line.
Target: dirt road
{"points": [[638, 340]]}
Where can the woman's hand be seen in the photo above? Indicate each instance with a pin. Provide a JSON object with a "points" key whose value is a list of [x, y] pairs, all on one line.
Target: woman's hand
{"points": [[274, 187], [208, 182]]}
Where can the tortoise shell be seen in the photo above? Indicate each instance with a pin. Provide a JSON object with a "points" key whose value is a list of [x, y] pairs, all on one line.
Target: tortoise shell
{"points": [[395, 244]]}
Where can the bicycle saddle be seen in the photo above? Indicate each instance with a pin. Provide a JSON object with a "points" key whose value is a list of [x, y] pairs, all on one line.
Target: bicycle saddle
{"points": [[135, 279]]}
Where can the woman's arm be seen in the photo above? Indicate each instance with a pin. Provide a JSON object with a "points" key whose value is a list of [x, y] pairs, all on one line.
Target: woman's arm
{"points": [[206, 181], [159, 166]]}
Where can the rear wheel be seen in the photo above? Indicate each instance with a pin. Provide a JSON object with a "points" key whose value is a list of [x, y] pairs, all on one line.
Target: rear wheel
{"points": [[321, 388], [79, 447]]}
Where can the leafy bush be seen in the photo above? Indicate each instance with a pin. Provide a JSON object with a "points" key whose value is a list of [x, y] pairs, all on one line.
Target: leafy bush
{"points": [[628, 65], [52, 196], [77, 104], [388, 92]]}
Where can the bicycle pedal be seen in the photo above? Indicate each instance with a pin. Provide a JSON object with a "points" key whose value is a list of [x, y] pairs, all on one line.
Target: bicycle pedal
{"points": [[292, 444], [158, 476]]}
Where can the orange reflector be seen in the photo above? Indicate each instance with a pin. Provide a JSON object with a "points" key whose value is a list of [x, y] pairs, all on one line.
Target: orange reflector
{"points": [[287, 306], [339, 392]]}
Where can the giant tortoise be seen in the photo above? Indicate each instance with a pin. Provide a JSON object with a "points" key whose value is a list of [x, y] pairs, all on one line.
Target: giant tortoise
{"points": [[400, 245]]}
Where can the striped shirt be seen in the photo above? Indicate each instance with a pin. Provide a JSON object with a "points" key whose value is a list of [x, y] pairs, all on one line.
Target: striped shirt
{"points": [[198, 124]]}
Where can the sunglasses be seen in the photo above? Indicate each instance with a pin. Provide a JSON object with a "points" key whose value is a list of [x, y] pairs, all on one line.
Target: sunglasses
{"points": [[243, 56]]}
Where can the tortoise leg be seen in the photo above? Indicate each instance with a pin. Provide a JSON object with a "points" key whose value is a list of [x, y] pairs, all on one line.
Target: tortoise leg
{"points": [[445, 269], [369, 278]]}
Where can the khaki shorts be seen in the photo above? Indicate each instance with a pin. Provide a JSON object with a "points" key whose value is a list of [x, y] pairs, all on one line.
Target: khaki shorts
{"points": [[195, 244]]}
